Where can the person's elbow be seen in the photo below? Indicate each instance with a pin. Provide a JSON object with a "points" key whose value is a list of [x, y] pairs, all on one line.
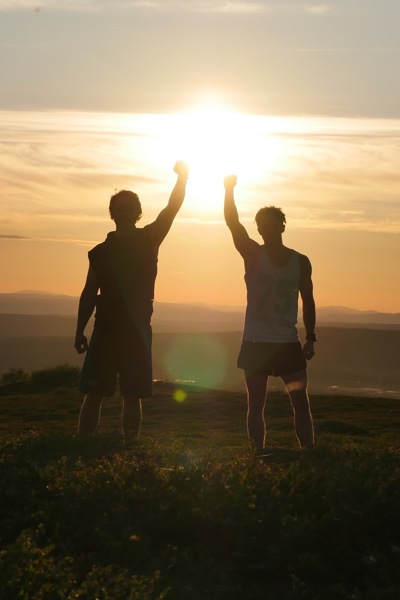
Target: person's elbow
{"points": [[309, 306], [89, 296], [231, 220]]}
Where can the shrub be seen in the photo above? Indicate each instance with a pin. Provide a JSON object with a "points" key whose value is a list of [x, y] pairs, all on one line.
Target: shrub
{"points": [[55, 377], [15, 376]]}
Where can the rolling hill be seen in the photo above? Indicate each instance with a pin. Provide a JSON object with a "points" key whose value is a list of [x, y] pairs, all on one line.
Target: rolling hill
{"points": [[167, 316]]}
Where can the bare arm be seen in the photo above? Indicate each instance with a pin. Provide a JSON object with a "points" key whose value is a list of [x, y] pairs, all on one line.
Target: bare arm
{"points": [[87, 305], [162, 224], [309, 313], [239, 234]]}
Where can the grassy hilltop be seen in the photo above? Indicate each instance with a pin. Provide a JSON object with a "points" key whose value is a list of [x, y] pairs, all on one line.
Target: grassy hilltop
{"points": [[187, 513]]}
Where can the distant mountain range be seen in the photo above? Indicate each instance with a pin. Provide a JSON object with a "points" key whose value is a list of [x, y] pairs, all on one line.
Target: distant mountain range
{"points": [[167, 317], [358, 352], [343, 315], [38, 303]]}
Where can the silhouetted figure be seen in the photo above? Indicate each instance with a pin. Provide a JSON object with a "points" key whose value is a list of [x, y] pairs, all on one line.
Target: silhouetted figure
{"points": [[274, 276], [124, 269]]}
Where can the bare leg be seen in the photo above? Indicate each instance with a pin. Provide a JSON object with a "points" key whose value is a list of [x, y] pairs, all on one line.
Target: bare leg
{"points": [[131, 419], [256, 395], [296, 385], [89, 415]]}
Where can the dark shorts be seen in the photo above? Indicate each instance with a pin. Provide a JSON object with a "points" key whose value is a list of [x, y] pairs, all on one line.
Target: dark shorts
{"points": [[122, 351], [271, 359]]}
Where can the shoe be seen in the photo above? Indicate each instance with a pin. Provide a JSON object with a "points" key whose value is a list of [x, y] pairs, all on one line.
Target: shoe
{"points": [[130, 440], [264, 455]]}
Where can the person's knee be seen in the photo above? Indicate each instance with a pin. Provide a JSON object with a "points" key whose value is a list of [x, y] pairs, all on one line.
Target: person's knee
{"points": [[296, 383], [256, 407], [93, 399], [129, 400], [299, 400]]}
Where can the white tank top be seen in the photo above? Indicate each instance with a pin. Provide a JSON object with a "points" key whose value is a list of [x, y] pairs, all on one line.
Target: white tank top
{"points": [[272, 300]]}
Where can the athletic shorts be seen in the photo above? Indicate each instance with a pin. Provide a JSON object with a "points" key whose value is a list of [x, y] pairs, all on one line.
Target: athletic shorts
{"points": [[271, 359], [120, 351]]}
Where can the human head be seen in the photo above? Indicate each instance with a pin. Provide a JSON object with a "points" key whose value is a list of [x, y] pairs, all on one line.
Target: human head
{"points": [[125, 206], [270, 218]]}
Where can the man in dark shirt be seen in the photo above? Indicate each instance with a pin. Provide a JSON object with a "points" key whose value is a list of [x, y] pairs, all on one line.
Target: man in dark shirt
{"points": [[124, 269]]}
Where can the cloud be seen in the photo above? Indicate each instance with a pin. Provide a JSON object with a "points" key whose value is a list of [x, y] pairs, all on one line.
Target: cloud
{"points": [[234, 7], [57, 240], [318, 9], [341, 175], [13, 237], [216, 6], [28, 5], [59, 170], [335, 178]]}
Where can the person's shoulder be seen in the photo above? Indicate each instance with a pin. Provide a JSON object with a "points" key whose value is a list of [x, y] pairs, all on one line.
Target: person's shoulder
{"points": [[255, 246], [143, 230], [249, 250], [98, 248], [304, 264], [303, 259], [102, 245], [143, 233], [156, 231], [252, 245], [246, 240]]}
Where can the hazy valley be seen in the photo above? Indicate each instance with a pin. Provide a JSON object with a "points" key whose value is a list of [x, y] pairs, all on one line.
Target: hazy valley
{"points": [[357, 352]]}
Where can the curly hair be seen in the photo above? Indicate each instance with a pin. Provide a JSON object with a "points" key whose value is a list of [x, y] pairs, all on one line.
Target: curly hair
{"points": [[270, 212], [127, 204]]}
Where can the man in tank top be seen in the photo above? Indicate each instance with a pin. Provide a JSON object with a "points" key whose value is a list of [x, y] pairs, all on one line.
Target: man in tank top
{"points": [[124, 269], [275, 276]]}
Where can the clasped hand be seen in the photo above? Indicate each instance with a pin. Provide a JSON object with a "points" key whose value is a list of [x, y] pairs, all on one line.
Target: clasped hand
{"points": [[230, 181], [308, 350], [81, 344], [181, 168]]}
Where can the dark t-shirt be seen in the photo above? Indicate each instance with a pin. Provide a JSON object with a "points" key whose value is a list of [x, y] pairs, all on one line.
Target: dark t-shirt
{"points": [[126, 268]]}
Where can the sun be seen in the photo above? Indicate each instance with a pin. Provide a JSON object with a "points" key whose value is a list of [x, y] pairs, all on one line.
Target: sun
{"points": [[217, 141]]}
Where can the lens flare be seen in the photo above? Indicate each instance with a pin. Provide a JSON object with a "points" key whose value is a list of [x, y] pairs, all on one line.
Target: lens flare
{"points": [[180, 396], [198, 358], [216, 141]]}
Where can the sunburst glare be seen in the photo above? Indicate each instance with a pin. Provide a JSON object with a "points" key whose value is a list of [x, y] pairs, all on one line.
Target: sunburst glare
{"points": [[217, 141]]}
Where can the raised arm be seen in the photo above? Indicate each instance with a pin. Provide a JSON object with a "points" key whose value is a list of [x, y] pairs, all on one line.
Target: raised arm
{"points": [[162, 224], [309, 313], [87, 305], [240, 236]]}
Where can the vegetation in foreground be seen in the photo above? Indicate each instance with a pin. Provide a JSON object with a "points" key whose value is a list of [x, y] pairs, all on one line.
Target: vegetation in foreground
{"points": [[187, 512]]}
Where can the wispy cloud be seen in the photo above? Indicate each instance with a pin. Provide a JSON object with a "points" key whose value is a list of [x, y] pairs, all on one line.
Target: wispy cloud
{"points": [[317, 9], [58, 240], [59, 170], [40, 5], [232, 7], [216, 6], [335, 179], [13, 237]]}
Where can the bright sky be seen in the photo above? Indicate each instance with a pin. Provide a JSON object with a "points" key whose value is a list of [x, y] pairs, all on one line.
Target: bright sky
{"points": [[300, 99]]}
